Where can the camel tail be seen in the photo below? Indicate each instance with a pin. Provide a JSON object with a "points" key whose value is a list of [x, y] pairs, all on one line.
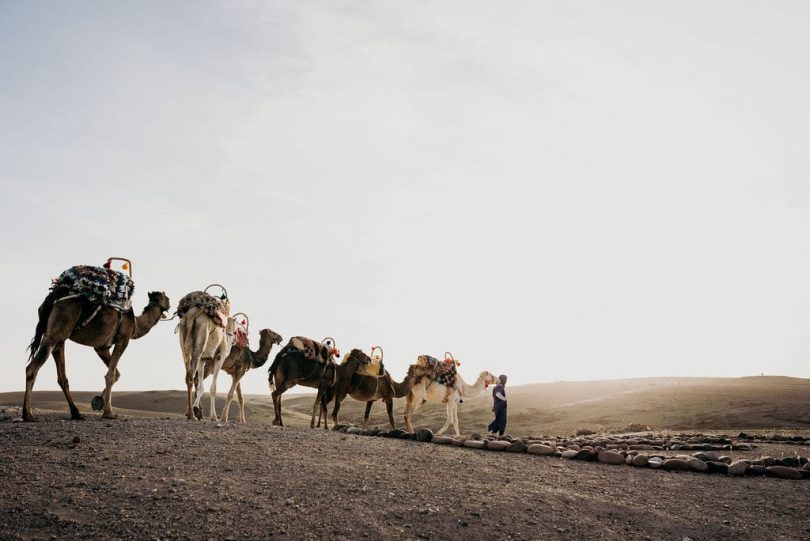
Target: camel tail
{"points": [[44, 311], [271, 372]]}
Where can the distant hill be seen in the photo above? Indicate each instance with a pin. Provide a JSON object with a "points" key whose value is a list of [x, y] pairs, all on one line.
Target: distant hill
{"points": [[543, 408]]}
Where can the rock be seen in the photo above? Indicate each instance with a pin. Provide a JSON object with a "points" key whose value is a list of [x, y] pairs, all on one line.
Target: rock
{"points": [[756, 471], [784, 472], [629, 459], [456, 442], [517, 447], [568, 453], [474, 444], [806, 466], [441, 440], [585, 454], [424, 434], [789, 461], [709, 456], [76, 440], [383, 434], [395, 433], [545, 450], [654, 463], [717, 467], [407, 436], [354, 430], [371, 431], [724, 459], [640, 461], [641, 447], [675, 464], [738, 468], [609, 457], [695, 464], [289, 501], [499, 445]]}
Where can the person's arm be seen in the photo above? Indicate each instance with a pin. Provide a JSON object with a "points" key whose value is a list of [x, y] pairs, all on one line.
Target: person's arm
{"points": [[499, 396]]}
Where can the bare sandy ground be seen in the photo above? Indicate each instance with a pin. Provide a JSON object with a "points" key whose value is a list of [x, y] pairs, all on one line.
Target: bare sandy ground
{"points": [[171, 478]]}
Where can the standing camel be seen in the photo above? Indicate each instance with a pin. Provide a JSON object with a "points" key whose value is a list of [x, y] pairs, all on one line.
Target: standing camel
{"points": [[64, 316], [368, 389], [428, 389], [240, 360], [202, 337], [354, 361], [302, 361]]}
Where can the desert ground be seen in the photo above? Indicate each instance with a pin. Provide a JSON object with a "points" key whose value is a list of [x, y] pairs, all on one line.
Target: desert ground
{"points": [[153, 474]]}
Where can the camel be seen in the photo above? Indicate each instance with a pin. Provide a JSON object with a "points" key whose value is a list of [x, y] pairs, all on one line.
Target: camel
{"points": [[64, 316], [301, 362], [333, 374], [368, 389], [240, 360], [427, 389], [202, 338]]}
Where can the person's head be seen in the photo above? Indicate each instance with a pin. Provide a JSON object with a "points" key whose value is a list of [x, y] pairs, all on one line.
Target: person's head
{"points": [[502, 379]]}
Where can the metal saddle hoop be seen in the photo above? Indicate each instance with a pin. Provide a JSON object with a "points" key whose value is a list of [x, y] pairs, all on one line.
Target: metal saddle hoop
{"points": [[223, 295]]}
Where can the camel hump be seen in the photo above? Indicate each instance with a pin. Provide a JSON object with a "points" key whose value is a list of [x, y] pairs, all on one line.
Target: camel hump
{"points": [[213, 307]]}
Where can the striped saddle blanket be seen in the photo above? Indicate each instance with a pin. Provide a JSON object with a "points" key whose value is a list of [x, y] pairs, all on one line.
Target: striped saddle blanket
{"points": [[98, 285]]}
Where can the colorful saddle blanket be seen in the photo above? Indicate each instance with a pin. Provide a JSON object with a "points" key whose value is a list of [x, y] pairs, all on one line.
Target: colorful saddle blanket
{"points": [[216, 309], [240, 336], [443, 372], [106, 287]]}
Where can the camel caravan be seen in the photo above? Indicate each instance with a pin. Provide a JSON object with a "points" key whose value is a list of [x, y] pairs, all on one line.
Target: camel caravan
{"points": [[93, 306]]}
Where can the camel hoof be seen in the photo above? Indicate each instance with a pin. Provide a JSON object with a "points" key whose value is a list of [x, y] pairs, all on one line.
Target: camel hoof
{"points": [[29, 419], [97, 403], [198, 413], [111, 416], [77, 417]]}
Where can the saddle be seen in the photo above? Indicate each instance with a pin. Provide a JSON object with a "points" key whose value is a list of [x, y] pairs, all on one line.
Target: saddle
{"points": [[101, 286], [320, 352], [443, 372], [215, 308]]}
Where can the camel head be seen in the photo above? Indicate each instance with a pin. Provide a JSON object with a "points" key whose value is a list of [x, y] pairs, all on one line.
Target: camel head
{"points": [[159, 299], [272, 337], [488, 378]]}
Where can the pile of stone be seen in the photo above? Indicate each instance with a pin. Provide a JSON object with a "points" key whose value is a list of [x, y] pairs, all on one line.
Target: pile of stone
{"points": [[638, 451]]}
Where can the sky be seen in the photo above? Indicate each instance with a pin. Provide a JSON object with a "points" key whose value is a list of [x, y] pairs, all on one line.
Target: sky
{"points": [[555, 191]]}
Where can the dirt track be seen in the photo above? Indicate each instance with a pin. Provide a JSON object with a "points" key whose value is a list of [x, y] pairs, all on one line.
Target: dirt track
{"points": [[153, 478]]}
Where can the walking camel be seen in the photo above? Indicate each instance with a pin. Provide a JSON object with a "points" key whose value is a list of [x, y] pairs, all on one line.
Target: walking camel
{"points": [[66, 315], [369, 389], [302, 361], [344, 371], [206, 332], [239, 361], [429, 390]]}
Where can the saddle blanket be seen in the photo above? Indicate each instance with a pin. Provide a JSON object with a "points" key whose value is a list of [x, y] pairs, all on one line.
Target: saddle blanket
{"points": [[444, 372], [240, 335], [309, 348], [215, 308], [102, 286]]}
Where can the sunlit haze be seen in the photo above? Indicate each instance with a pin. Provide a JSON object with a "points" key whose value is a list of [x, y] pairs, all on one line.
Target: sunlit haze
{"points": [[555, 191]]}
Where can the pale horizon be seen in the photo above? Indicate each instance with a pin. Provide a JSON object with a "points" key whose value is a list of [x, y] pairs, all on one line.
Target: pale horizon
{"points": [[555, 192]]}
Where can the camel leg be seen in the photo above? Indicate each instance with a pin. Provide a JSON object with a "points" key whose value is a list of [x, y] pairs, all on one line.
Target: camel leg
{"points": [[229, 399], [39, 358], [323, 415], [189, 385], [369, 403], [110, 378], [212, 391], [316, 406], [389, 406], [104, 354], [241, 402], [199, 386], [455, 417], [61, 376], [449, 417]]}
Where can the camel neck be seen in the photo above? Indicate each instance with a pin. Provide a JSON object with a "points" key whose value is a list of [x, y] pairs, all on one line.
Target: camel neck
{"points": [[471, 390], [148, 319]]}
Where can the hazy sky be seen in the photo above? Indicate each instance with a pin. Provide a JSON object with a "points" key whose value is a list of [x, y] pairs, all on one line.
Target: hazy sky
{"points": [[552, 190]]}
